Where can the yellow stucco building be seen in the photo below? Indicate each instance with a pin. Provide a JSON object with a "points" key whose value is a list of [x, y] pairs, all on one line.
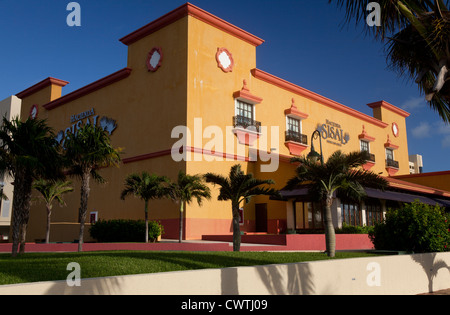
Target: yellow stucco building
{"points": [[191, 82]]}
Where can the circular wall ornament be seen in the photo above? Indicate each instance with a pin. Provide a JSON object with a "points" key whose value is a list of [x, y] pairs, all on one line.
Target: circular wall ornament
{"points": [[224, 60], [154, 59], [395, 129], [34, 111]]}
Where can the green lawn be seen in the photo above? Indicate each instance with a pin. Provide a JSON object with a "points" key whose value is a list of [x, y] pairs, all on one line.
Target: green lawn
{"points": [[46, 267]]}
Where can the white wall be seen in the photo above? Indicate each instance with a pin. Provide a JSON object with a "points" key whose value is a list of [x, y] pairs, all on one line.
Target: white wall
{"points": [[381, 275], [9, 108]]}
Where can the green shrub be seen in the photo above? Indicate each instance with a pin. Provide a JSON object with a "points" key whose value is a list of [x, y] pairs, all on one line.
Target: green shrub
{"points": [[351, 229], [125, 231], [416, 227]]}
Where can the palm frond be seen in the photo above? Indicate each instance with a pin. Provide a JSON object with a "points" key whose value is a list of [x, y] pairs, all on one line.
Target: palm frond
{"points": [[189, 187], [418, 43], [342, 173], [240, 186], [145, 186]]}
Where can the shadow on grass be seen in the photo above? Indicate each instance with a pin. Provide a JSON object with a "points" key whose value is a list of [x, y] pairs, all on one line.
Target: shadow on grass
{"points": [[296, 279]]}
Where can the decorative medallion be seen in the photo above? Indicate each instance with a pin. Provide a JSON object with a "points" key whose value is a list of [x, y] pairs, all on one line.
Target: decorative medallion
{"points": [[395, 130], [154, 59], [224, 60], [34, 111]]}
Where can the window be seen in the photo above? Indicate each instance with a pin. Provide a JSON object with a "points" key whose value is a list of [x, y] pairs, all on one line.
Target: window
{"points": [[245, 110], [390, 162], [294, 131], [308, 215], [365, 146], [293, 125], [245, 115], [351, 214], [389, 154], [374, 213]]}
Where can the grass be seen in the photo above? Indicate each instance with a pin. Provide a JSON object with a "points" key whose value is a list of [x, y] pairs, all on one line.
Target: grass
{"points": [[52, 266]]}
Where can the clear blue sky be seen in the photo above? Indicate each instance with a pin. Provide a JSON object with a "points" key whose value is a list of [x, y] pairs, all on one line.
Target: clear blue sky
{"points": [[305, 44]]}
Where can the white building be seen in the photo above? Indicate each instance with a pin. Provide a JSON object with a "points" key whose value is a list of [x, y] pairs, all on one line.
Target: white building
{"points": [[9, 108], [415, 164]]}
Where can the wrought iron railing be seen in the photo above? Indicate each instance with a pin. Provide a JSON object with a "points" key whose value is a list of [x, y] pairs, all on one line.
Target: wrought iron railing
{"points": [[246, 123], [296, 137], [391, 163]]}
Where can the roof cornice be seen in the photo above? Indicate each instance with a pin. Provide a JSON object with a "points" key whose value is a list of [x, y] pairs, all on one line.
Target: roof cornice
{"points": [[41, 85], [269, 78], [191, 10]]}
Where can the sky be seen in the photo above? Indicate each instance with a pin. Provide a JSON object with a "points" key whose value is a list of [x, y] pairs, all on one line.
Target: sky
{"points": [[306, 43]]}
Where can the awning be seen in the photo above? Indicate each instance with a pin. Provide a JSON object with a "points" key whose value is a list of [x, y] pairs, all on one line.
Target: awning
{"points": [[404, 197], [374, 193], [299, 192]]}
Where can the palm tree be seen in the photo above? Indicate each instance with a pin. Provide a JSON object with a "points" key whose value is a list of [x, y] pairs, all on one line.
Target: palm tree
{"points": [[341, 174], [87, 151], [418, 40], [186, 188], [239, 187], [50, 191], [145, 187], [28, 151]]}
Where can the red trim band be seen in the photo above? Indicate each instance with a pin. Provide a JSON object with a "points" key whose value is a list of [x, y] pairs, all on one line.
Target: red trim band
{"points": [[189, 149]]}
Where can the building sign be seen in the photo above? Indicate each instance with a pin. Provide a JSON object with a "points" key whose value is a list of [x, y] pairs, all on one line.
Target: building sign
{"points": [[87, 118], [333, 133]]}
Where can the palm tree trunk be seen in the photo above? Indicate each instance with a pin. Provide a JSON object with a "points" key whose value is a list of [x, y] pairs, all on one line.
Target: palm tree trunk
{"points": [[181, 221], [83, 206], [146, 221], [330, 235], [21, 211], [16, 220], [236, 229], [49, 214]]}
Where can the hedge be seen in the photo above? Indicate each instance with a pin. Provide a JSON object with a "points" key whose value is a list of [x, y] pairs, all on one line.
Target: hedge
{"points": [[125, 231], [416, 227]]}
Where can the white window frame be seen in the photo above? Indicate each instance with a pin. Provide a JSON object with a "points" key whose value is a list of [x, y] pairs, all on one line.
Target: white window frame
{"points": [[299, 123], [393, 156], [361, 145], [236, 108]]}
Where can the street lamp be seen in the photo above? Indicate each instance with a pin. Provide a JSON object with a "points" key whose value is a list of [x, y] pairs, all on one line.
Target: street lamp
{"points": [[314, 155]]}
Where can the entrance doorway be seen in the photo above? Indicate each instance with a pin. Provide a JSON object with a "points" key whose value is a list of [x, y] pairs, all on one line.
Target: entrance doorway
{"points": [[261, 217]]}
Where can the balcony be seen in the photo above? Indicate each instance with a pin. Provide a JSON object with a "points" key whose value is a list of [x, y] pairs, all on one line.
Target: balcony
{"points": [[295, 142], [371, 158], [392, 167], [296, 137], [247, 130], [391, 163], [370, 161], [246, 123]]}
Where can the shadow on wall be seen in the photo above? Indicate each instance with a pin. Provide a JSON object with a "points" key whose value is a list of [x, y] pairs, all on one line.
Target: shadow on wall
{"points": [[290, 279], [431, 267], [297, 279], [100, 286]]}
